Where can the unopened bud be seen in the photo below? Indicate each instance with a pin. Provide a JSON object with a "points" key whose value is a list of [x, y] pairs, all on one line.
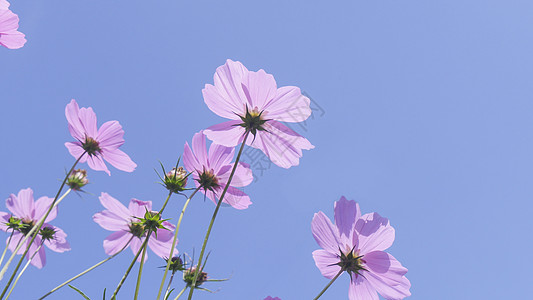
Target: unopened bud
{"points": [[77, 179]]}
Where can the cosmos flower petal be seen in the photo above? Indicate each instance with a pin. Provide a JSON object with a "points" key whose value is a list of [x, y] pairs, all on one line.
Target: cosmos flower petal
{"points": [[243, 175], [97, 163], [41, 207], [135, 246], [228, 134], [219, 156], [39, 260], [76, 150], [165, 235], [259, 88], [110, 221], [17, 238], [326, 262], [190, 161], [9, 24], [388, 291], [361, 289], [375, 233], [4, 4], [346, 213], [116, 241], [22, 205], [237, 198], [226, 98], [118, 159], [138, 207], [110, 135], [325, 233], [59, 242], [115, 206], [199, 148], [88, 121], [74, 124], [386, 267], [4, 218], [288, 105], [159, 247]]}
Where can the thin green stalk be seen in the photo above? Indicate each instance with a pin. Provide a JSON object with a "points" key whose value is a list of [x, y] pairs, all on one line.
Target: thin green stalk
{"points": [[24, 269], [330, 283], [35, 228], [179, 295], [174, 241], [86, 271], [198, 267], [167, 291], [7, 245], [165, 204], [114, 297], [140, 273]]}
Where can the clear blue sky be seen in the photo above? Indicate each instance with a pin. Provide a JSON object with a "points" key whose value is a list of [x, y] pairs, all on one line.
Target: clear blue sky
{"points": [[428, 120]]}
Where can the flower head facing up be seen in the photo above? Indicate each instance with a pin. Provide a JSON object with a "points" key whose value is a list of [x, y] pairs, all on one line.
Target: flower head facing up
{"points": [[254, 103], [211, 171], [10, 37], [25, 213], [131, 225], [98, 144], [355, 244]]}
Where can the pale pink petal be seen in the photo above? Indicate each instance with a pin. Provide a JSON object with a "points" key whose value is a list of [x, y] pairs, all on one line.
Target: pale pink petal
{"points": [[118, 159], [243, 175], [74, 124], [138, 207], [39, 260], [110, 221], [110, 135], [9, 36], [375, 233], [41, 207], [190, 161], [162, 245], [4, 218], [88, 121], [346, 213], [228, 134], [59, 242], [219, 156], [325, 233], [259, 88], [236, 198], [327, 263], [288, 105], [135, 246], [17, 238], [360, 289], [116, 241], [4, 4], [76, 151], [199, 148], [96, 163], [226, 98], [386, 274], [392, 292], [115, 206], [22, 205], [165, 235]]}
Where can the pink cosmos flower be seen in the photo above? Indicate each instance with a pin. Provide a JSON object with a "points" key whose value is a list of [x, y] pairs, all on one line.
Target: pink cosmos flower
{"points": [[122, 221], [100, 144], [9, 24], [253, 102], [356, 245], [212, 170], [29, 212]]}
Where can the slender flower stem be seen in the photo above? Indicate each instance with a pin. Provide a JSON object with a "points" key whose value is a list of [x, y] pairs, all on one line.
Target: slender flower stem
{"points": [[330, 283], [7, 246], [198, 266], [35, 228], [24, 269], [174, 241], [86, 271], [168, 286], [140, 273], [165, 204], [179, 295], [114, 297]]}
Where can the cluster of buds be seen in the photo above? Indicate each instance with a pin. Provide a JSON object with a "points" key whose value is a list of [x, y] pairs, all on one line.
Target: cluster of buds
{"points": [[24, 226], [77, 179]]}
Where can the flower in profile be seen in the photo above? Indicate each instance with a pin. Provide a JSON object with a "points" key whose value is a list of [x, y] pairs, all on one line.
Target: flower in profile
{"points": [[356, 244], [127, 227], [211, 171], [10, 37], [188, 277], [254, 103], [77, 179], [98, 144], [25, 213]]}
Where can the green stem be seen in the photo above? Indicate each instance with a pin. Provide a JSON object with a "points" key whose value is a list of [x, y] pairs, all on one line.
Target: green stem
{"points": [[7, 245], [140, 273], [24, 269], [168, 286], [330, 283], [35, 228], [198, 267], [114, 297], [165, 204], [174, 242], [181, 293], [86, 271]]}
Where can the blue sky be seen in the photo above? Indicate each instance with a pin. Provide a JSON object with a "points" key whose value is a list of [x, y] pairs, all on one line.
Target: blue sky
{"points": [[426, 117]]}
